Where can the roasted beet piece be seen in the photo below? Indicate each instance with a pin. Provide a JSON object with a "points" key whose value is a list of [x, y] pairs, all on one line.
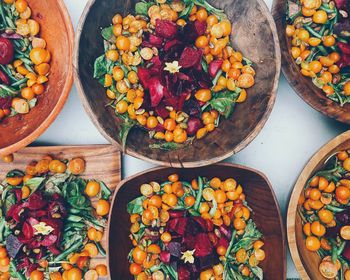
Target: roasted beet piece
{"points": [[340, 3], [174, 249], [54, 250], [346, 252], [18, 194], [49, 240], [4, 78], [203, 246], [202, 223], [192, 108], [208, 261], [214, 67], [190, 57], [144, 76], [194, 124], [344, 61], [13, 245], [27, 230], [345, 48], [7, 51], [165, 257], [5, 103], [177, 214], [166, 29], [156, 90], [183, 273], [200, 27], [36, 201]]}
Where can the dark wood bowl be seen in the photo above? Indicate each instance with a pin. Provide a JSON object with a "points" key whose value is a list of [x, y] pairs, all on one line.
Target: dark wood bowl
{"points": [[259, 194], [254, 35], [301, 84], [305, 261], [56, 28]]}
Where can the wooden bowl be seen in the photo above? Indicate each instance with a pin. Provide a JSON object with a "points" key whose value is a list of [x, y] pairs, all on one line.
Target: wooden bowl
{"points": [[254, 35], [301, 84], [260, 197], [56, 28], [305, 261]]}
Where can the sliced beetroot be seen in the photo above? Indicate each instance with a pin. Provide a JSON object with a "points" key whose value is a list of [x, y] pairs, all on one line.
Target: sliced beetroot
{"points": [[203, 246], [210, 225], [177, 213], [213, 238], [166, 29], [165, 257], [190, 57], [344, 61], [31, 268], [161, 111], [196, 225], [155, 41], [15, 212], [4, 78], [5, 102], [208, 261], [144, 76], [38, 213], [27, 230], [345, 48], [23, 263], [340, 3], [192, 108], [174, 249], [57, 207], [225, 231], [183, 273], [49, 240], [170, 44], [222, 242], [156, 90], [13, 245], [18, 194], [7, 51], [214, 67], [200, 27], [36, 201], [54, 250]]}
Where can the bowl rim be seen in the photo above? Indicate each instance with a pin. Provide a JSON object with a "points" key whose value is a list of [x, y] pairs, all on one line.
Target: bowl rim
{"points": [[293, 201], [63, 97], [188, 164], [287, 60], [217, 165]]}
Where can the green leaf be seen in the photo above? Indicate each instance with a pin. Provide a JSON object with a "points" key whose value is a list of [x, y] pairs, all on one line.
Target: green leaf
{"points": [[106, 192], [32, 102], [124, 132], [141, 8], [100, 66], [107, 33], [135, 206], [166, 146], [258, 272], [15, 173], [224, 102], [34, 183], [186, 12]]}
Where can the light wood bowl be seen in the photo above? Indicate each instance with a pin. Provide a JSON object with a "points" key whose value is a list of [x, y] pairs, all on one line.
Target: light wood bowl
{"points": [[254, 35], [56, 28], [305, 261], [259, 194], [301, 84]]}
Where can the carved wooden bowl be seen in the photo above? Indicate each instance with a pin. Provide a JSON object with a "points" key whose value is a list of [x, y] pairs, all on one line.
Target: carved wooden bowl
{"points": [[305, 261], [56, 28], [301, 84], [259, 194], [254, 35]]}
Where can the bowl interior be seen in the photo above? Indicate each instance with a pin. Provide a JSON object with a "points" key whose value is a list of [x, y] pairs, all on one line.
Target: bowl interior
{"points": [[259, 196], [301, 84], [253, 34], [307, 262], [56, 29]]}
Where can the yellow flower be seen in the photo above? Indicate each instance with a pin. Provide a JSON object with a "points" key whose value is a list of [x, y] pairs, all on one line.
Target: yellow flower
{"points": [[172, 67], [42, 228], [188, 257]]}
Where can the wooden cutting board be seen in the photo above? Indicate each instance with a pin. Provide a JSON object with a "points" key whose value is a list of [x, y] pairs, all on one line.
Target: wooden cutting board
{"points": [[103, 162]]}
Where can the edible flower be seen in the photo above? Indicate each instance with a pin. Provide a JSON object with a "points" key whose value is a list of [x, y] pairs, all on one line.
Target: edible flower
{"points": [[42, 228], [187, 256], [172, 67]]}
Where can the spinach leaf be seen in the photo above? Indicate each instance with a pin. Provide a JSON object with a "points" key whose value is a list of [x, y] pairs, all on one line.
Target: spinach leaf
{"points": [[141, 8], [9, 201], [107, 34], [100, 66], [224, 102], [258, 272], [106, 192], [135, 206]]}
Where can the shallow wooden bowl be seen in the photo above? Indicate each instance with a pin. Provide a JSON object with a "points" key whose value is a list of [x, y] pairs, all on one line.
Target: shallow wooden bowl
{"points": [[254, 35], [305, 261], [56, 28], [259, 194], [301, 84]]}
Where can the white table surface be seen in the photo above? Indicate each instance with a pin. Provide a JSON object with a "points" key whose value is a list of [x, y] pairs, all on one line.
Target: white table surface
{"points": [[293, 133]]}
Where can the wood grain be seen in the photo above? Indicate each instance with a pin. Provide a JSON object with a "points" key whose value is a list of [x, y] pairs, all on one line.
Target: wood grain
{"points": [[259, 194], [301, 84], [254, 34], [307, 262], [56, 28], [102, 163]]}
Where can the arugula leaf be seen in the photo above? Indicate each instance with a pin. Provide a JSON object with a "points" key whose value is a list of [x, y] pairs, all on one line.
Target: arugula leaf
{"points": [[135, 206], [100, 66], [34, 183], [186, 12], [141, 8], [224, 102]]}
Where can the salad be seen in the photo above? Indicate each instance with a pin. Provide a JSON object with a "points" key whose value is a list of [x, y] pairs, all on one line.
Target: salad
{"points": [[170, 69], [319, 33], [24, 59], [201, 229], [49, 226], [325, 212]]}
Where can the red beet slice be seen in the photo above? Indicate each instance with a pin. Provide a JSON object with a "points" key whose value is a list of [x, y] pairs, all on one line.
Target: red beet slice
{"points": [[165, 257], [144, 76], [27, 230], [18, 194], [5, 103], [24, 263], [177, 214], [166, 29], [49, 240], [6, 51], [162, 112], [183, 273], [155, 40], [168, 45], [190, 57], [213, 238], [174, 249], [222, 242], [54, 250], [156, 90], [194, 124], [3, 78], [214, 67], [200, 27], [345, 48], [203, 246], [36, 201], [346, 252], [340, 3]]}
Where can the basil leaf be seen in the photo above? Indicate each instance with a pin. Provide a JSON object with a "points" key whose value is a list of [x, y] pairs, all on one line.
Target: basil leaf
{"points": [[224, 102], [100, 66], [141, 8], [135, 206]]}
